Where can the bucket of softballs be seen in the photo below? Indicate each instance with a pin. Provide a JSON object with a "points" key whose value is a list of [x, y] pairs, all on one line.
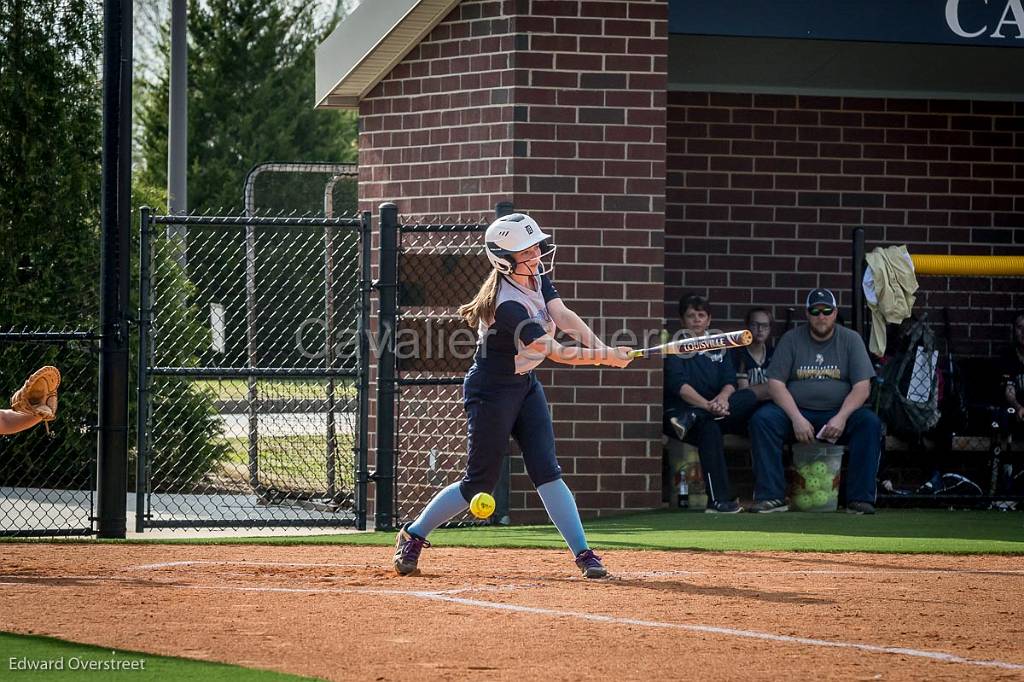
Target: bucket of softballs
{"points": [[816, 478]]}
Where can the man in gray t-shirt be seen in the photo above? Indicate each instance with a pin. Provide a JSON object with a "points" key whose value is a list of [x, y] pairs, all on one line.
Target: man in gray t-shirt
{"points": [[819, 379], [820, 374]]}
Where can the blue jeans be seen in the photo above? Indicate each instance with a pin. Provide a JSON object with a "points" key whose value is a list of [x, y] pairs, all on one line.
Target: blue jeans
{"points": [[707, 434], [770, 428]]}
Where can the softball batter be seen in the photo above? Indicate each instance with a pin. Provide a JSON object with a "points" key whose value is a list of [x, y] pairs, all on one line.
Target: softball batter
{"points": [[516, 313]]}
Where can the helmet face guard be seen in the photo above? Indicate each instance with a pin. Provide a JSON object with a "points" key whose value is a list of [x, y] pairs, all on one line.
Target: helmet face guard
{"points": [[512, 234], [545, 261]]}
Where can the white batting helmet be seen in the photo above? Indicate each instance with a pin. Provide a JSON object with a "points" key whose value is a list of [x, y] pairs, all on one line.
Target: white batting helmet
{"points": [[516, 232]]}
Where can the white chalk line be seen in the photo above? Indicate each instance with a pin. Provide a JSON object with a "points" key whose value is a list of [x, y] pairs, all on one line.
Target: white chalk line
{"points": [[711, 629], [26, 576], [447, 596], [33, 580], [617, 574], [707, 629], [173, 564], [812, 571]]}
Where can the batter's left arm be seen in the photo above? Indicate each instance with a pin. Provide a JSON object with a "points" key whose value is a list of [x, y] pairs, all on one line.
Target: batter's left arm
{"points": [[569, 322]]}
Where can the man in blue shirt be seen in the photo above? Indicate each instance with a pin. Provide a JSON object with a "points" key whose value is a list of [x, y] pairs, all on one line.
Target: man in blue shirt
{"points": [[702, 403]]}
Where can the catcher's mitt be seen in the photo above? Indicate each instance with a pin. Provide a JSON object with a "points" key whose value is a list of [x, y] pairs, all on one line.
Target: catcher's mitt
{"points": [[39, 394]]}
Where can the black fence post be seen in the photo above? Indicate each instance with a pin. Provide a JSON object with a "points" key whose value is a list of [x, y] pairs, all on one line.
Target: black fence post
{"points": [[387, 285], [857, 291], [142, 409], [362, 455], [115, 259]]}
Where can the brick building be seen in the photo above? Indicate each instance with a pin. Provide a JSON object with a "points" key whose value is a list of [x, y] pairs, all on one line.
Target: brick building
{"points": [[674, 145]]}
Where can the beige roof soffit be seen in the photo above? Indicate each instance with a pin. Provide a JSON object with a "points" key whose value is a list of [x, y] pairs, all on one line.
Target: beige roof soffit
{"points": [[400, 27]]}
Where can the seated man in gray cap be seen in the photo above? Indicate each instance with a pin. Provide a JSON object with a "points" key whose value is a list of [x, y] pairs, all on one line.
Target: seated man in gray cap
{"points": [[819, 379]]}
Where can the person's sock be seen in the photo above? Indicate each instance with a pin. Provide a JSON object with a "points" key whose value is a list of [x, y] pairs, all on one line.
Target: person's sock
{"points": [[561, 507], [444, 506]]}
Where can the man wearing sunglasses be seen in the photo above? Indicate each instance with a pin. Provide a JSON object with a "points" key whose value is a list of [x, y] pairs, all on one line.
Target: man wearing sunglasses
{"points": [[819, 379]]}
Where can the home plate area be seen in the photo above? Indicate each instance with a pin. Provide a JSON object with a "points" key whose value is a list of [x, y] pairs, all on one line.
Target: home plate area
{"points": [[339, 612]]}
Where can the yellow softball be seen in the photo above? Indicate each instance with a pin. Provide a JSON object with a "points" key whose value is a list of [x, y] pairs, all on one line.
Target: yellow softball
{"points": [[482, 505]]}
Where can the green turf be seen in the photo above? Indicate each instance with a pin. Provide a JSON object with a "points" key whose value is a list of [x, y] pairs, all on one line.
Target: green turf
{"points": [[910, 531], [906, 531], [26, 649]]}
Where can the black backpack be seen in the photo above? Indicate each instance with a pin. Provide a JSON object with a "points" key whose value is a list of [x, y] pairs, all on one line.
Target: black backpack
{"points": [[905, 417]]}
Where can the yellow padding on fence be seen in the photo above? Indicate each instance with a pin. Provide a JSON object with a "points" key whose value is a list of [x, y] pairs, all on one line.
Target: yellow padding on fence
{"points": [[969, 266]]}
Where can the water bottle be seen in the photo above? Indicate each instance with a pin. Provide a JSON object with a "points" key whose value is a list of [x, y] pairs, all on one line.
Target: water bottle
{"points": [[684, 494]]}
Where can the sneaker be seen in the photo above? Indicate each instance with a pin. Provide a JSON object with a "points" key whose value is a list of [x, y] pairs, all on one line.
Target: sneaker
{"points": [[407, 551], [768, 506], [732, 507], [681, 425], [860, 508], [590, 564]]}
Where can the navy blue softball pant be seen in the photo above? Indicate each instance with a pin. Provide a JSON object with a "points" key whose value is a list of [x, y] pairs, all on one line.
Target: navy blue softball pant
{"points": [[497, 406]]}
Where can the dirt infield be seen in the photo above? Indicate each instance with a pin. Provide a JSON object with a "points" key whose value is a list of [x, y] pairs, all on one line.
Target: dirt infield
{"points": [[340, 613]]}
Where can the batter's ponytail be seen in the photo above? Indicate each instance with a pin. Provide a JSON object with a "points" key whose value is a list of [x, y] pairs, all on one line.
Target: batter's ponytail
{"points": [[483, 304]]}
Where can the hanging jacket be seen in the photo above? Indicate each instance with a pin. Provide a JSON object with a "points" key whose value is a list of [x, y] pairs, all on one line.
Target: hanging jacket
{"points": [[889, 286]]}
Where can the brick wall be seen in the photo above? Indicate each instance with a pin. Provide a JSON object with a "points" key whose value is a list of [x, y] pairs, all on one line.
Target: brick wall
{"points": [[764, 191], [436, 134], [591, 79], [559, 108]]}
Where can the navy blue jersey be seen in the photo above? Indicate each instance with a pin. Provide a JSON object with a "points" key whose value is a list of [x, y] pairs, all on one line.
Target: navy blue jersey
{"points": [[706, 373], [520, 318], [745, 364]]}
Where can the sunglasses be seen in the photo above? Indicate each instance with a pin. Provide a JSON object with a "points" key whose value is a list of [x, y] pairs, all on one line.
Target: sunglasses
{"points": [[821, 311]]}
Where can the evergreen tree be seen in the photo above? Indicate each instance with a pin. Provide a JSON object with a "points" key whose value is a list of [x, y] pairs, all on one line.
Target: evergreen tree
{"points": [[49, 223], [251, 96], [50, 162], [50, 136]]}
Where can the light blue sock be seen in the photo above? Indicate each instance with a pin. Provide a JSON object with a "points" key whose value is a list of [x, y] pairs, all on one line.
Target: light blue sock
{"points": [[444, 506], [561, 507]]}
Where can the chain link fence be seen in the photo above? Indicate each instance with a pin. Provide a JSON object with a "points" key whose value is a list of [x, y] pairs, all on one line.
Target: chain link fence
{"points": [[950, 435], [312, 190], [252, 363], [47, 478], [440, 266], [941, 394]]}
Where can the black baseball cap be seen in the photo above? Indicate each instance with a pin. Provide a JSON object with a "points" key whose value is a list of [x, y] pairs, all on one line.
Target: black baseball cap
{"points": [[821, 297]]}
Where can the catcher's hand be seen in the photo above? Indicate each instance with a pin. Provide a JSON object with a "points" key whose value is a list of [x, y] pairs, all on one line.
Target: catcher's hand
{"points": [[39, 394]]}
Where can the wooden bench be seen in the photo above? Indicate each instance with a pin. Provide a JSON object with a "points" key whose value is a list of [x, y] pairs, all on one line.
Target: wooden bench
{"points": [[737, 454]]}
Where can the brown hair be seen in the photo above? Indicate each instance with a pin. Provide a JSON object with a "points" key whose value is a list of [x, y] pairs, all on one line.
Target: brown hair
{"points": [[759, 309], [483, 304], [695, 301]]}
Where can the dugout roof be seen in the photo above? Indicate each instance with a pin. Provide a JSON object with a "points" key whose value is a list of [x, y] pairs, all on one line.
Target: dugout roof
{"points": [[368, 43], [916, 48]]}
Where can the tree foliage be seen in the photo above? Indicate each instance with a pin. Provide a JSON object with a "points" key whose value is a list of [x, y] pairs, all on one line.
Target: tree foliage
{"points": [[50, 136], [49, 223], [251, 96], [250, 101], [49, 162]]}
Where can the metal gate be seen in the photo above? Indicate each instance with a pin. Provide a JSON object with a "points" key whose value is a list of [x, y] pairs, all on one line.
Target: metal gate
{"points": [[253, 356], [432, 267]]}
